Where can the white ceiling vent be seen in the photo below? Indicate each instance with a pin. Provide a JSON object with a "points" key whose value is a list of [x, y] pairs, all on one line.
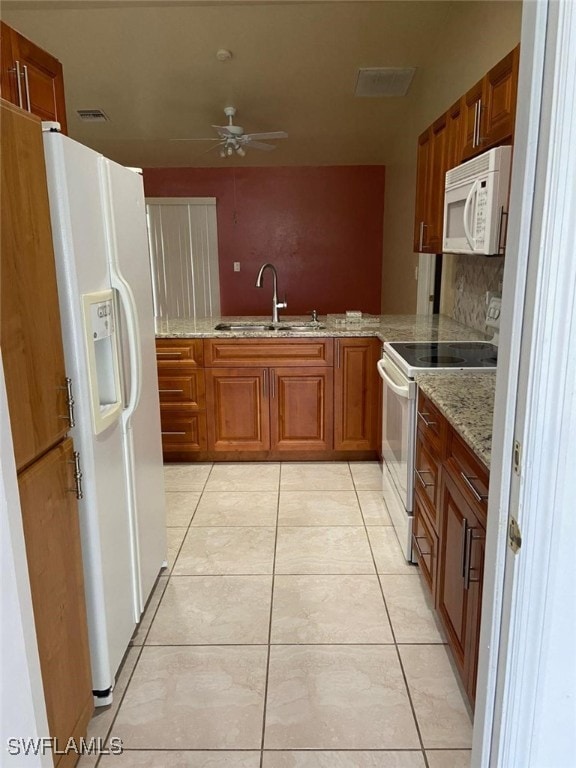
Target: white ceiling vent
{"points": [[92, 115], [384, 81]]}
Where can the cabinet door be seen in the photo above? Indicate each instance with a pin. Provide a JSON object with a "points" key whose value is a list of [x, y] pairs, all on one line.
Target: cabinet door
{"points": [[425, 544], [52, 536], [426, 470], [7, 72], [238, 406], [430, 188], [437, 183], [356, 394], [300, 413], [499, 101], [455, 136], [30, 335], [183, 432], [422, 185], [460, 578], [471, 110], [40, 89]]}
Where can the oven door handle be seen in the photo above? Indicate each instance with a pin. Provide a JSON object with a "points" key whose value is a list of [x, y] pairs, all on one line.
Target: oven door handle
{"points": [[402, 390]]}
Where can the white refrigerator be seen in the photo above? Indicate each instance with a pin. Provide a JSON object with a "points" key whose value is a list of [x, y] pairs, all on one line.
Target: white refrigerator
{"points": [[101, 248]]}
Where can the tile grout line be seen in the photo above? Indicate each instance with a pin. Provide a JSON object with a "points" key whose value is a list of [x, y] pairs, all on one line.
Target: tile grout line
{"points": [[269, 645], [409, 695], [141, 647]]}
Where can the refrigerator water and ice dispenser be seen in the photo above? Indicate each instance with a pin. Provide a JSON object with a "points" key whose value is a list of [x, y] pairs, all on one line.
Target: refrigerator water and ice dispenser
{"points": [[102, 348]]}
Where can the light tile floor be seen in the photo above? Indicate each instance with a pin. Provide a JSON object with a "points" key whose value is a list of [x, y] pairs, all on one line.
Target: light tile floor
{"points": [[287, 632]]}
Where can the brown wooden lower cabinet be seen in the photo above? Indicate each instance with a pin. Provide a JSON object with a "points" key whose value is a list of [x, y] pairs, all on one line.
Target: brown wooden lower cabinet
{"points": [[450, 507], [301, 409], [237, 402], [356, 394], [263, 409], [425, 544], [52, 536], [263, 398], [460, 578]]}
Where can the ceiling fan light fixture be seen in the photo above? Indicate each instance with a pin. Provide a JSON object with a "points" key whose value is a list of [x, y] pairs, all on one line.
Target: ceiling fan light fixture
{"points": [[240, 151], [229, 151]]}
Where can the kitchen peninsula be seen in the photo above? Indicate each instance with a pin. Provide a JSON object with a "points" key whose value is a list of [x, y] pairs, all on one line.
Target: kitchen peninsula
{"points": [[310, 393]]}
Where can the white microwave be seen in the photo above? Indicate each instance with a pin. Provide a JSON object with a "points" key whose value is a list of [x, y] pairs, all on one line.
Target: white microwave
{"points": [[476, 204]]}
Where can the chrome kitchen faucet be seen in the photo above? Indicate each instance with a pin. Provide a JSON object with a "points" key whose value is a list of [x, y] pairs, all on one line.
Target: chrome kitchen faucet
{"points": [[276, 305]]}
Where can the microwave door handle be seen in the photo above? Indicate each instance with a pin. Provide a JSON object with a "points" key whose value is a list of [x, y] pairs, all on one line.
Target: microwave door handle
{"points": [[467, 207], [401, 391]]}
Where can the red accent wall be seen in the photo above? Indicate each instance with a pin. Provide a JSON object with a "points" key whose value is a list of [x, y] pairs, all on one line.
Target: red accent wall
{"points": [[321, 227]]}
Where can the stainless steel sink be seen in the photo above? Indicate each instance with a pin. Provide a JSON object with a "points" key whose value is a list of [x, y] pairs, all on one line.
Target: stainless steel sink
{"points": [[244, 327], [247, 327], [300, 327]]}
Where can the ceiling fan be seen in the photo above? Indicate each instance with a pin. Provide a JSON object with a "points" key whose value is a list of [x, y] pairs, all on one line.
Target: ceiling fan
{"points": [[232, 138]]}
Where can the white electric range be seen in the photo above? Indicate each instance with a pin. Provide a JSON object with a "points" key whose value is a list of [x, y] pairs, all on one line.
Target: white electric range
{"points": [[400, 363]]}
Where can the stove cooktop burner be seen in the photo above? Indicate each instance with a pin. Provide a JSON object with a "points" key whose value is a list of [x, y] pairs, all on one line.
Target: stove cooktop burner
{"points": [[441, 359], [436, 355]]}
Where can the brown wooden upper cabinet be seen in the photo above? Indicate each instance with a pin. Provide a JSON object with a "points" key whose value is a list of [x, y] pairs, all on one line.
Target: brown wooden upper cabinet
{"points": [[431, 170], [30, 77], [490, 107], [483, 118]]}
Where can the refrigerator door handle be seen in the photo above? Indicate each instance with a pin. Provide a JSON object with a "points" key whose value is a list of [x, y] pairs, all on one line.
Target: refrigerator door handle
{"points": [[133, 331]]}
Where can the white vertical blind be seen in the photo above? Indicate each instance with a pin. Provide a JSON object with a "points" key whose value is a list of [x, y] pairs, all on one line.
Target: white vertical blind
{"points": [[184, 256]]}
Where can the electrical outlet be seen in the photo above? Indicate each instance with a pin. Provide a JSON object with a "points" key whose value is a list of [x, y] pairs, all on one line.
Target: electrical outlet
{"points": [[492, 295], [236, 266]]}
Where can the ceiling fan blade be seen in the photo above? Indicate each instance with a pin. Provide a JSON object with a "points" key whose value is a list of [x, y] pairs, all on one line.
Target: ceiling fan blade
{"points": [[268, 135], [259, 145]]}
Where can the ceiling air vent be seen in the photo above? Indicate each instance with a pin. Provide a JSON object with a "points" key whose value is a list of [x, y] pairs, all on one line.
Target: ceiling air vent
{"points": [[384, 81], [92, 115]]}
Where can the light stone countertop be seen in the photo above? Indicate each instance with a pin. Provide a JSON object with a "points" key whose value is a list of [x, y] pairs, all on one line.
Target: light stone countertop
{"points": [[467, 401], [383, 327]]}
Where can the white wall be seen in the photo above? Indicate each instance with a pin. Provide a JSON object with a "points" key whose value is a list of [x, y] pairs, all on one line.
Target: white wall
{"points": [[22, 710]]}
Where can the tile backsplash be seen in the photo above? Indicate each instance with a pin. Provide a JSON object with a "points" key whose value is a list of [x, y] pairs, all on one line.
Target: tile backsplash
{"points": [[465, 282]]}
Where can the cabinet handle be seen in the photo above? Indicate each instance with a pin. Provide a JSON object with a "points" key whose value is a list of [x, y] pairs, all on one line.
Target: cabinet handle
{"points": [[468, 480], [470, 539], [173, 433], [27, 87], [265, 382], [423, 226], [425, 420], [171, 391], [475, 133], [501, 230], [174, 355], [15, 70], [464, 541], [69, 402], [419, 476], [77, 477], [415, 540], [273, 383], [337, 353]]}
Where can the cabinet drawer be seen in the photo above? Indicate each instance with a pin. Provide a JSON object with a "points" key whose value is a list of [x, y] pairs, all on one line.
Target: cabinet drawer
{"points": [[429, 421], [182, 387], [426, 472], [268, 352], [170, 351], [469, 473], [425, 544], [184, 432]]}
